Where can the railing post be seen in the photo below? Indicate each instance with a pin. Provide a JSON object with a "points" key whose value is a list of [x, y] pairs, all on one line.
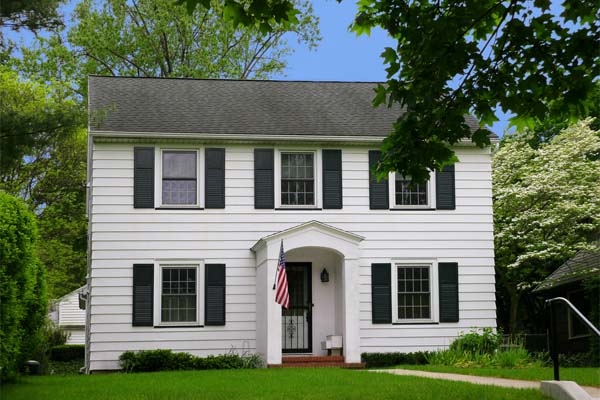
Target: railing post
{"points": [[553, 338]]}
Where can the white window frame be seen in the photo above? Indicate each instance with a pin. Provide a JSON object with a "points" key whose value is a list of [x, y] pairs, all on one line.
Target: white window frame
{"points": [[430, 194], [159, 177], [159, 265], [570, 318], [316, 171], [433, 289]]}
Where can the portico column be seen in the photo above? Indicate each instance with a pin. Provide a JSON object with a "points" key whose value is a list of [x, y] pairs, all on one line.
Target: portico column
{"points": [[350, 277], [268, 313], [273, 317]]}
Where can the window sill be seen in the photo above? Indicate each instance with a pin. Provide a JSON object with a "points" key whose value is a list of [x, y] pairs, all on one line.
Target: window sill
{"points": [[579, 337], [412, 209], [298, 209], [416, 323], [178, 326], [178, 208]]}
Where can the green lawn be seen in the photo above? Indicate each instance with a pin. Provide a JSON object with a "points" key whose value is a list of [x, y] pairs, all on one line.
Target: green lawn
{"points": [[329, 384], [583, 376]]}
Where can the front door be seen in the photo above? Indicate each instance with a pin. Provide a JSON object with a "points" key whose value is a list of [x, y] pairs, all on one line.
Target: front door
{"points": [[297, 320]]}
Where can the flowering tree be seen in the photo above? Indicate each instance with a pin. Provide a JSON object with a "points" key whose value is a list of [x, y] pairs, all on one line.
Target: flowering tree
{"points": [[546, 206]]}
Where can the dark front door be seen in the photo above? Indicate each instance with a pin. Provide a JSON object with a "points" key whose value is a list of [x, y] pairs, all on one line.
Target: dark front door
{"points": [[297, 320]]}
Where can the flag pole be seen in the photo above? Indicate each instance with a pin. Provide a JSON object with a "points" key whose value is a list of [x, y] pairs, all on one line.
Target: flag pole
{"points": [[277, 269]]}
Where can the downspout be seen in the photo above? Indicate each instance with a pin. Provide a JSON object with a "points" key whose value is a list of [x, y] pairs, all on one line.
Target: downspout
{"points": [[88, 211]]}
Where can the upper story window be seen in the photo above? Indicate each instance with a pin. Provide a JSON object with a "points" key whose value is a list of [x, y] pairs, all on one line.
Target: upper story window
{"points": [[405, 194], [179, 177], [297, 178]]}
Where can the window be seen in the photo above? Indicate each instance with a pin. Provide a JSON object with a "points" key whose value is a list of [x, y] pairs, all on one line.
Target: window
{"points": [[297, 179], [179, 294], [179, 178], [414, 293], [407, 195]]}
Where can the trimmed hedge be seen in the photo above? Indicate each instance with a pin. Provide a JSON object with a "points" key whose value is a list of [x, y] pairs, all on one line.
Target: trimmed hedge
{"points": [[390, 359], [67, 352], [167, 360]]}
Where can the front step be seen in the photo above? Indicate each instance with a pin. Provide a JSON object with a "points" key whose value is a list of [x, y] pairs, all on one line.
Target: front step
{"points": [[316, 362]]}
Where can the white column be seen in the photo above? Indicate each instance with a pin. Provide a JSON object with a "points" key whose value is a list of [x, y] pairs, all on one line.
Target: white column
{"points": [[273, 317], [350, 277]]}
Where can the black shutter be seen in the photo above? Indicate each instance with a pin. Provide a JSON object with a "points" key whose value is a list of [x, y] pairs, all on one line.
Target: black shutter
{"points": [[214, 178], [143, 177], [448, 273], [264, 196], [332, 179], [444, 188], [143, 294], [214, 295], [381, 293], [378, 191]]}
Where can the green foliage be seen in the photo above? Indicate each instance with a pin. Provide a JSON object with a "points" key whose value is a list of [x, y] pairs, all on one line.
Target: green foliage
{"points": [[29, 14], [481, 349], [65, 367], [23, 300], [472, 57], [67, 352], [167, 360], [485, 342], [33, 115], [266, 15], [592, 293], [372, 360], [546, 208]]}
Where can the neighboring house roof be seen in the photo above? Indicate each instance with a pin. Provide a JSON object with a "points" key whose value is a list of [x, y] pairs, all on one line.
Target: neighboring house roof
{"points": [[219, 107], [583, 264]]}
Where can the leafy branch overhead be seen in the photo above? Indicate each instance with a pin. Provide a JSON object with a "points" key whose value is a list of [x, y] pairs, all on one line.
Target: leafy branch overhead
{"points": [[266, 15], [533, 59]]}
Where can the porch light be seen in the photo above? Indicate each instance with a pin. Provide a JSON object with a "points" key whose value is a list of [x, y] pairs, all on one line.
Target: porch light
{"points": [[324, 275]]}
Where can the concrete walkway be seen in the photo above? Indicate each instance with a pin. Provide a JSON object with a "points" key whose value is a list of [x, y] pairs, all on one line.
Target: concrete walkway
{"points": [[479, 380]]}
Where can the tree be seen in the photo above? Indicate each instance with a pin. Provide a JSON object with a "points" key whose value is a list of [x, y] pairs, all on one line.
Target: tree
{"points": [[158, 38], [22, 286], [470, 57], [546, 206], [33, 15]]}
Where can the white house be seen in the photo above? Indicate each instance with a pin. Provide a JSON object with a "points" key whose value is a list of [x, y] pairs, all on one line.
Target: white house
{"points": [[69, 317], [194, 185]]}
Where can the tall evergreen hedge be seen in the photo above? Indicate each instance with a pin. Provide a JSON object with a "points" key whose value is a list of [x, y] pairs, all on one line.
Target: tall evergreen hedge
{"points": [[23, 301]]}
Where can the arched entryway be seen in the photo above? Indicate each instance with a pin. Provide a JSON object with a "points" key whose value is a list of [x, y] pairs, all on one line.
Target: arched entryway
{"points": [[311, 246]]}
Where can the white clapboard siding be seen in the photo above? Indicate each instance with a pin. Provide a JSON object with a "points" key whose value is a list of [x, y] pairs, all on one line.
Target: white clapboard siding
{"points": [[122, 236], [69, 313]]}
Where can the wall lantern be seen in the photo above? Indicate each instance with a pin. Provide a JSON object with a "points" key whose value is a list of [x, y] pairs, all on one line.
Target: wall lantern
{"points": [[324, 276]]}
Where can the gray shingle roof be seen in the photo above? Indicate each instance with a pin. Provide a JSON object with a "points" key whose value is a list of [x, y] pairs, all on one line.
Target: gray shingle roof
{"points": [[581, 265], [207, 106]]}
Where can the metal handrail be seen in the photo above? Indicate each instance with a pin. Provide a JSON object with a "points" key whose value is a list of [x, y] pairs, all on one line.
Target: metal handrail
{"points": [[552, 334]]}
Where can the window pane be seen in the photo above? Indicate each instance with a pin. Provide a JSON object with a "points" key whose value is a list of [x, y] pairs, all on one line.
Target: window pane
{"points": [[413, 292], [407, 195], [297, 179], [179, 191], [179, 301], [179, 164]]}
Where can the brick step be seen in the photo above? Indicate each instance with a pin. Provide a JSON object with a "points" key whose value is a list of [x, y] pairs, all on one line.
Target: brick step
{"points": [[321, 364], [303, 359]]}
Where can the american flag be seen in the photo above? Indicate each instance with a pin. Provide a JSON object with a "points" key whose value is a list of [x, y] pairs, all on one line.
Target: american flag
{"points": [[281, 284]]}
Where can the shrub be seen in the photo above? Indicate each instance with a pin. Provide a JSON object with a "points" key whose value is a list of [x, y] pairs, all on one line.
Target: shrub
{"points": [[23, 301], [167, 360], [67, 352], [485, 342], [389, 359]]}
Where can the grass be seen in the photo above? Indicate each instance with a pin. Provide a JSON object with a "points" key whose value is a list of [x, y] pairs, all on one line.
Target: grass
{"points": [[583, 376], [327, 384]]}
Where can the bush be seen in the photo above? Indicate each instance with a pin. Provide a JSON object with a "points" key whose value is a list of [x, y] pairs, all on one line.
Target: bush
{"points": [[65, 367], [486, 342], [166, 360], [23, 301], [67, 352], [390, 359]]}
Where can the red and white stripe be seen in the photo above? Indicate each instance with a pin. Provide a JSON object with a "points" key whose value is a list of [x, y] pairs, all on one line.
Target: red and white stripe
{"points": [[281, 284]]}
